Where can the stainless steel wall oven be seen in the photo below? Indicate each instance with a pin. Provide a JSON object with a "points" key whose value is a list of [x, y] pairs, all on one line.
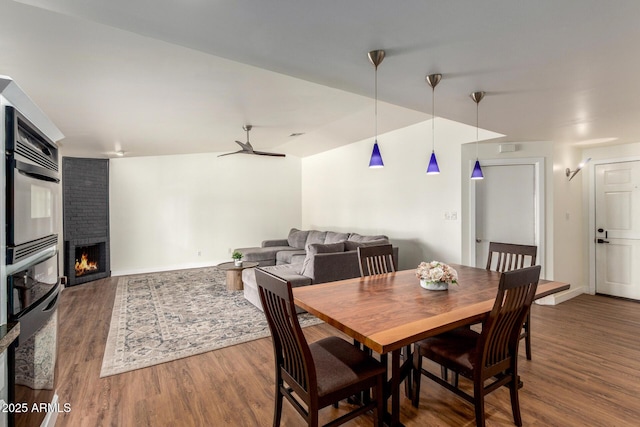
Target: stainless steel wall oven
{"points": [[32, 264], [32, 188]]}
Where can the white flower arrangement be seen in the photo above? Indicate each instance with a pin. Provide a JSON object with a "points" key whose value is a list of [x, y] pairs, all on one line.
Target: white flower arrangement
{"points": [[436, 271]]}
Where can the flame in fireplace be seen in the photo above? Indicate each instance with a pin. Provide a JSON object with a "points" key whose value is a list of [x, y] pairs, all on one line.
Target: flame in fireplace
{"points": [[84, 265]]}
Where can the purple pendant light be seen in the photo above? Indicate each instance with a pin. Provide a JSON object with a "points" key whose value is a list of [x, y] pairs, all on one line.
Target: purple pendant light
{"points": [[376, 157], [433, 80], [376, 57], [477, 170], [433, 168]]}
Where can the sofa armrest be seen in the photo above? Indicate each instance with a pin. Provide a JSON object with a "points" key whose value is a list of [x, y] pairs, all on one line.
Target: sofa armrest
{"points": [[278, 242], [335, 266]]}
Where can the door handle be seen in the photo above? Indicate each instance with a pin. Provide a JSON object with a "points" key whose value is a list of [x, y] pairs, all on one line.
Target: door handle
{"points": [[602, 241]]}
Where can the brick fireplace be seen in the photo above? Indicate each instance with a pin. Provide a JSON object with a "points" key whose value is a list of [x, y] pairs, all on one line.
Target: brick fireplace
{"points": [[85, 196]]}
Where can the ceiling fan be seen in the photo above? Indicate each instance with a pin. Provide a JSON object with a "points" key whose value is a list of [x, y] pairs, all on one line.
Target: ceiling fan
{"points": [[247, 148]]}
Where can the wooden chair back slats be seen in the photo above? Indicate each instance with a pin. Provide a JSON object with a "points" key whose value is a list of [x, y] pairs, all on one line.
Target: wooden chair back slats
{"points": [[314, 376], [289, 343], [376, 260], [493, 355], [501, 332], [508, 256]]}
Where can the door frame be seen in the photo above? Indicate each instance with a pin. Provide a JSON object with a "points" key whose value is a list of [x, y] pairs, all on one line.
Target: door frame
{"points": [[591, 188], [538, 164]]}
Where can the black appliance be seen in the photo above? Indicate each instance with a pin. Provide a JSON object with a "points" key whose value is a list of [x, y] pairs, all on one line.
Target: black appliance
{"points": [[33, 280], [33, 293], [32, 188]]}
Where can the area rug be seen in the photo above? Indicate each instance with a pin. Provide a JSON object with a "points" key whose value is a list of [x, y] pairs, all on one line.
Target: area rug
{"points": [[165, 316]]}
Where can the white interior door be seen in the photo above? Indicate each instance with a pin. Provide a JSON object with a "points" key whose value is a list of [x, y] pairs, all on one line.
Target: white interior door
{"points": [[506, 211], [618, 229]]}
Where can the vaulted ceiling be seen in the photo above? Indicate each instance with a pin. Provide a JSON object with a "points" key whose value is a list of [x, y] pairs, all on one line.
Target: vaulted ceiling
{"points": [[154, 77]]}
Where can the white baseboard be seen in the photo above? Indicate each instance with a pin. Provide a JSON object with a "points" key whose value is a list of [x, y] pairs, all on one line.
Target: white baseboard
{"points": [[561, 297]]}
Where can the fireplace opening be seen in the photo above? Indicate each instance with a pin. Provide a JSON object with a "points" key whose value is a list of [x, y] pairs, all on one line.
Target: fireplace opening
{"points": [[87, 260]]}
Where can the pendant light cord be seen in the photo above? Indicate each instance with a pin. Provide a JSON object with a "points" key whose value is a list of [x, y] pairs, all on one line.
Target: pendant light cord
{"points": [[433, 119], [477, 108], [376, 104]]}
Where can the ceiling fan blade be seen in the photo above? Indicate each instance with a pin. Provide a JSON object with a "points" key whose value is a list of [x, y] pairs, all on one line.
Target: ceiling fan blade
{"points": [[244, 145], [234, 152], [247, 148], [264, 153]]}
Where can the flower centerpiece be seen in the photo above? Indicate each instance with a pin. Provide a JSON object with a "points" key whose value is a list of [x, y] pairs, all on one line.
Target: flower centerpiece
{"points": [[436, 276]]}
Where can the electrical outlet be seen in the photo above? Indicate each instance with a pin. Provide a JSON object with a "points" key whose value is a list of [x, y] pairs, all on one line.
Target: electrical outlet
{"points": [[454, 216], [447, 216], [199, 253]]}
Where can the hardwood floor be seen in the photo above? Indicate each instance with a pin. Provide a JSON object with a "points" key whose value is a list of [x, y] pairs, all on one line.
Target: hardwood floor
{"points": [[585, 372]]}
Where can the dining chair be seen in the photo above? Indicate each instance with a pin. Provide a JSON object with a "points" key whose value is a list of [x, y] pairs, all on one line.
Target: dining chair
{"points": [[376, 260], [488, 355], [507, 257], [318, 374]]}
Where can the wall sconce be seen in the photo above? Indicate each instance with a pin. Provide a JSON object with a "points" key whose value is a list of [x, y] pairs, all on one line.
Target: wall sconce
{"points": [[570, 174]]}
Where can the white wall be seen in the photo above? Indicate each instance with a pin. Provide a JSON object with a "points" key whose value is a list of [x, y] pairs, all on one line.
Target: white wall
{"points": [[570, 239], [340, 192], [166, 209]]}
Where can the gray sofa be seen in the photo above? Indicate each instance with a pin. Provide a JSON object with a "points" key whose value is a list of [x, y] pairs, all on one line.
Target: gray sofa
{"points": [[307, 257]]}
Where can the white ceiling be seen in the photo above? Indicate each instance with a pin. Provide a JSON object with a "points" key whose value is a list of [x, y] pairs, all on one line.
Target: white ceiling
{"points": [[182, 76]]}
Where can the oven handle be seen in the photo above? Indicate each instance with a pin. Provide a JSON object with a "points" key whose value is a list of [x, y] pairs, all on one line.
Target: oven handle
{"points": [[37, 316], [36, 172]]}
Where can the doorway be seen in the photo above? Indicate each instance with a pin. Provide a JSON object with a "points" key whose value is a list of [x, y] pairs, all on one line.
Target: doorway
{"points": [[617, 229], [507, 206]]}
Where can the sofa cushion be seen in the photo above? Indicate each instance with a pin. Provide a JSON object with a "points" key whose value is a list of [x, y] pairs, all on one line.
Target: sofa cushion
{"points": [[286, 257], [265, 256], [315, 236], [350, 245], [355, 237], [333, 237], [290, 273], [318, 248], [298, 258], [297, 238]]}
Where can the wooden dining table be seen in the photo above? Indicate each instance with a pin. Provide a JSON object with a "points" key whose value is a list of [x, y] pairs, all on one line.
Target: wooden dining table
{"points": [[387, 312]]}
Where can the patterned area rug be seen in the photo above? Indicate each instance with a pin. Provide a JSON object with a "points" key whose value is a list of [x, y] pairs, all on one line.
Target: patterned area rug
{"points": [[160, 317]]}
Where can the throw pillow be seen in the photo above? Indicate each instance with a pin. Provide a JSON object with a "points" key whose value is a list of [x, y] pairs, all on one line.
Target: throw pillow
{"points": [[297, 238], [318, 248]]}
